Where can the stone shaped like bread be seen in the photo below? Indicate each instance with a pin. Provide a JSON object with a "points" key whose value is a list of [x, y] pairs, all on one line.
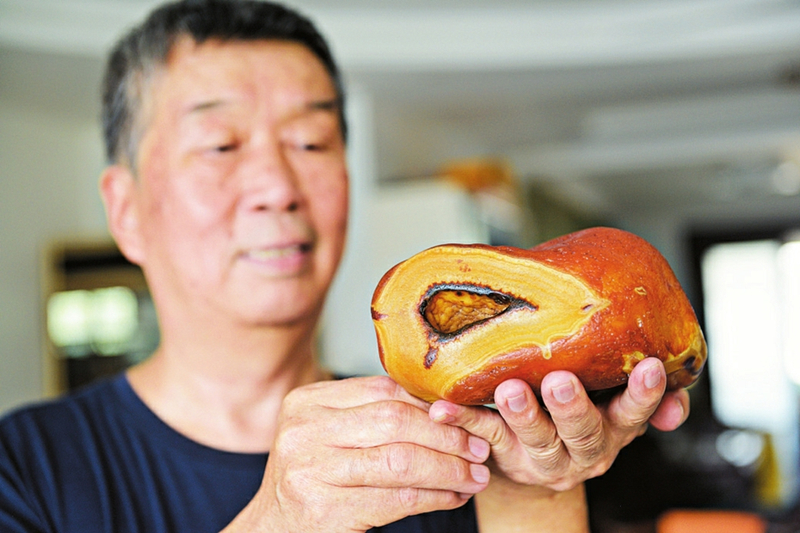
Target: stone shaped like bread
{"points": [[454, 321]]}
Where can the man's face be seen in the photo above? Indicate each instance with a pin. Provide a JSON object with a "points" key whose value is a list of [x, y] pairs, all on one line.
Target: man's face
{"points": [[242, 186]]}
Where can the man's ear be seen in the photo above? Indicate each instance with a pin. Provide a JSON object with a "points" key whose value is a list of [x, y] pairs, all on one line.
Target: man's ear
{"points": [[119, 190]]}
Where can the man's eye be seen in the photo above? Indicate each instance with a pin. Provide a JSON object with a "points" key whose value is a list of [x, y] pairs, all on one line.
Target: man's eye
{"points": [[226, 147]]}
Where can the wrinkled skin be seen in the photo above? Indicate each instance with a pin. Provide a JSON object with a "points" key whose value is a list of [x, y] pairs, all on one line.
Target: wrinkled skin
{"points": [[391, 461], [391, 455], [574, 440]]}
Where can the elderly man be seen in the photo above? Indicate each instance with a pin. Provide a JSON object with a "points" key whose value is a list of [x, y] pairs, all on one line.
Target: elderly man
{"points": [[227, 184]]}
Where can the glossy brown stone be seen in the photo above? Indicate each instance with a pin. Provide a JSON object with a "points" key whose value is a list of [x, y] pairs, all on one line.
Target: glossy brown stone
{"points": [[454, 321]]}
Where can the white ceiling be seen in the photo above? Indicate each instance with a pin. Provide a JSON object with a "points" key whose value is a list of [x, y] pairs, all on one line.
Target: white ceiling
{"points": [[621, 105]]}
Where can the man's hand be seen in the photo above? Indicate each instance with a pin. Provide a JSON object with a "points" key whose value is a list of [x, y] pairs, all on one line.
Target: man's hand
{"points": [[576, 440], [359, 453]]}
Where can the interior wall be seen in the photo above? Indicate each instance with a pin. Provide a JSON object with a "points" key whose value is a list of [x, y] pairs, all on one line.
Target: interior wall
{"points": [[49, 166]]}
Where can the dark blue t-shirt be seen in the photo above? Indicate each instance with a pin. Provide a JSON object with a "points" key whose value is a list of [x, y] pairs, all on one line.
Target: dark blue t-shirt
{"points": [[100, 461]]}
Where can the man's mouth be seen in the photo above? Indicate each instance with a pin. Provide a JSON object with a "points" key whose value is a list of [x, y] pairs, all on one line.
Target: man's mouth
{"points": [[269, 254]]}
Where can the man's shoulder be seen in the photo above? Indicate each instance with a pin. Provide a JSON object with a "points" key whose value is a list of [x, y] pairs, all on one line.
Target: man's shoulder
{"points": [[62, 413]]}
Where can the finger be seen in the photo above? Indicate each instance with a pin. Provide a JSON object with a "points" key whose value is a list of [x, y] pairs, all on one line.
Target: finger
{"points": [[519, 419], [541, 459], [672, 411], [395, 421], [578, 421], [486, 426], [352, 392], [396, 504], [406, 466], [630, 410], [527, 420]]}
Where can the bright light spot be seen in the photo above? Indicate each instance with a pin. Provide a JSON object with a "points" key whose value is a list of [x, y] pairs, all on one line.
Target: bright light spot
{"points": [[102, 320], [114, 317], [68, 318], [739, 447]]}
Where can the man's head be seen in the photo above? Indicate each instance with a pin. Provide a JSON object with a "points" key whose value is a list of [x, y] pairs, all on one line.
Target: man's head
{"points": [[228, 183], [147, 47]]}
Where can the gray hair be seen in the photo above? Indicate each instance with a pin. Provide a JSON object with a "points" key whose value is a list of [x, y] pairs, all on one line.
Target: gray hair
{"points": [[146, 47]]}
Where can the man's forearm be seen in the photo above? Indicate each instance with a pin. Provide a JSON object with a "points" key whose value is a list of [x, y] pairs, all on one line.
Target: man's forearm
{"points": [[508, 507]]}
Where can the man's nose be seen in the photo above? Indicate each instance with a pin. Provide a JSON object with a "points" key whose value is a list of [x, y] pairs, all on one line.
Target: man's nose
{"points": [[270, 182]]}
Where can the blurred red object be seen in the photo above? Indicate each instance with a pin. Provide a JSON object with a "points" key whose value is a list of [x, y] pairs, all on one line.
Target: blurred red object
{"points": [[710, 521]]}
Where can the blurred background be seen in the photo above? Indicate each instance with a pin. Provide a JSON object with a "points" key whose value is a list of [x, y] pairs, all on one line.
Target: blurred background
{"points": [[499, 121]]}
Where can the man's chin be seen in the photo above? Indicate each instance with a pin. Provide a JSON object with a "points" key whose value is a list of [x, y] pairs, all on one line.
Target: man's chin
{"points": [[289, 316]]}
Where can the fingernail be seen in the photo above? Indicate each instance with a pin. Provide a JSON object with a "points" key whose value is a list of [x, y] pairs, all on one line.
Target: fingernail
{"points": [[439, 414], [518, 403], [682, 409], [565, 392], [652, 377], [480, 473], [442, 417], [479, 447]]}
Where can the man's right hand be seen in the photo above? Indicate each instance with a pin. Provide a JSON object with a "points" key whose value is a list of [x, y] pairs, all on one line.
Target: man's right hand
{"points": [[358, 453]]}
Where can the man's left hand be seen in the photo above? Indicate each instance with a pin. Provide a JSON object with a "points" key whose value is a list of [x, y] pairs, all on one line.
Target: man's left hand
{"points": [[574, 439]]}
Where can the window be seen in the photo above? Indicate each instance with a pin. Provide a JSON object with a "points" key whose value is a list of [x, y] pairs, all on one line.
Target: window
{"points": [[750, 293]]}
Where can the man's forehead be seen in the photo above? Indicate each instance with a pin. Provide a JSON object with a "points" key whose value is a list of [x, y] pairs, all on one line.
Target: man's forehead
{"points": [[205, 75]]}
